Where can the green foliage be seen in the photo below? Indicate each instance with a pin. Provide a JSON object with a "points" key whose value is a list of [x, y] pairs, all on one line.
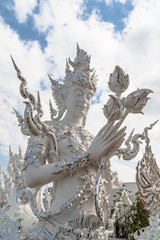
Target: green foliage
{"points": [[139, 216], [132, 217]]}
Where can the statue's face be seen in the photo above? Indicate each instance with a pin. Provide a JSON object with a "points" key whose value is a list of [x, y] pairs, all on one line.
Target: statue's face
{"points": [[78, 100]]}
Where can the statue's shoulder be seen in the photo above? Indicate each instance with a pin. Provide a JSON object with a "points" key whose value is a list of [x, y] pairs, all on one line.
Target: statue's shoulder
{"points": [[52, 124], [36, 151], [62, 130]]}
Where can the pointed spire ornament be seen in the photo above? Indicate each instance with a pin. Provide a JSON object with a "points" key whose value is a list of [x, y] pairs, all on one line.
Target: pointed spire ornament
{"points": [[23, 89], [20, 152], [52, 110], [10, 152], [39, 105]]}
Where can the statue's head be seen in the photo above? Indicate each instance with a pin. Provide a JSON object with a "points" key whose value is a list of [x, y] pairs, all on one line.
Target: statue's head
{"points": [[78, 101], [79, 85]]}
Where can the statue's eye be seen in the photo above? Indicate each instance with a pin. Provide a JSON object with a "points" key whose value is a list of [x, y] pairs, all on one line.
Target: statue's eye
{"points": [[89, 96], [79, 94]]}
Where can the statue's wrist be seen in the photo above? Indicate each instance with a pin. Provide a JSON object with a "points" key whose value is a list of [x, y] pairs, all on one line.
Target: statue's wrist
{"points": [[73, 164]]}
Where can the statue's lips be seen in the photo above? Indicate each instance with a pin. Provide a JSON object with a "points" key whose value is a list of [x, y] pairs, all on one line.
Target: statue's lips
{"points": [[82, 107]]}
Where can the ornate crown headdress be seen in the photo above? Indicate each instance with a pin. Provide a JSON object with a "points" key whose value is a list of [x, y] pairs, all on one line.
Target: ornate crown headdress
{"points": [[80, 74]]}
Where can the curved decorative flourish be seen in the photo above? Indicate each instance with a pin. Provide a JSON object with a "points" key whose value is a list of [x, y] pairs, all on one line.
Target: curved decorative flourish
{"points": [[136, 100], [32, 125], [24, 130], [130, 152]]}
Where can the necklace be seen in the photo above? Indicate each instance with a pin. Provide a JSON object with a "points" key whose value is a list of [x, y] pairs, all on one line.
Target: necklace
{"points": [[78, 138]]}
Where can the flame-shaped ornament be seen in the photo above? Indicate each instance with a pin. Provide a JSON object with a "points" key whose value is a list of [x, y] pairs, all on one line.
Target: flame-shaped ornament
{"points": [[118, 80], [136, 100]]}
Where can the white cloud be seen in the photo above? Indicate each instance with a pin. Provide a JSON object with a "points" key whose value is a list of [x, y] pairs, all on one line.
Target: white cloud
{"points": [[121, 1], [58, 13], [24, 8], [109, 2], [137, 50]]}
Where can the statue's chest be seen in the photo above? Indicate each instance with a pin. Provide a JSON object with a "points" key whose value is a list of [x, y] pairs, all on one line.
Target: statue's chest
{"points": [[72, 140], [67, 147]]}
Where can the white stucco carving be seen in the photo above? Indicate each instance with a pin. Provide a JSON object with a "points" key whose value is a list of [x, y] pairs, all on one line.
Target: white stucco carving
{"points": [[64, 181], [148, 182]]}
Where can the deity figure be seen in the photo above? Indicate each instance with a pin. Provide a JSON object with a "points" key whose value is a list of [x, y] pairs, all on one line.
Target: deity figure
{"points": [[68, 164]]}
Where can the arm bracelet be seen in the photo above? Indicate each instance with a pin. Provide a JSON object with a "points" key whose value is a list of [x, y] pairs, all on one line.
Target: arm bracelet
{"points": [[72, 164]]}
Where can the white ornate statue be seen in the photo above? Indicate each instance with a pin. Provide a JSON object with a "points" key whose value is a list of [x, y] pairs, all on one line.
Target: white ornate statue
{"points": [[148, 182], [67, 171]]}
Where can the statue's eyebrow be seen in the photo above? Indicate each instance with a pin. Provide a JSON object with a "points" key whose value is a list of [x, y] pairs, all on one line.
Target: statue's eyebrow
{"points": [[79, 89]]}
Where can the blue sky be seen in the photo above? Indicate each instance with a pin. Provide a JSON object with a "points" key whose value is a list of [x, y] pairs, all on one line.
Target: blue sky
{"points": [[26, 31], [115, 12], [40, 35]]}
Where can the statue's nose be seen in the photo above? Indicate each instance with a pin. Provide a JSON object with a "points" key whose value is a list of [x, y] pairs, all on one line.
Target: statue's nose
{"points": [[84, 99]]}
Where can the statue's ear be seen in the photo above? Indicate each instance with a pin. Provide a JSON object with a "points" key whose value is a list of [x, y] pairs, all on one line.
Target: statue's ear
{"points": [[59, 92], [63, 95]]}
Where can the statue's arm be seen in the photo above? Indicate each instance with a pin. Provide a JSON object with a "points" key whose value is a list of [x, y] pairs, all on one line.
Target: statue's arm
{"points": [[107, 141], [38, 173], [44, 174]]}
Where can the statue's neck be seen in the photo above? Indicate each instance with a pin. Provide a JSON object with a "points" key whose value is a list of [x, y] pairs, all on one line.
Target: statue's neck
{"points": [[72, 121]]}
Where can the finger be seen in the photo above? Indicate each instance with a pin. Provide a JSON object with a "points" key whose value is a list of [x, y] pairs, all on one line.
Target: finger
{"points": [[114, 142], [116, 127], [107, 129], [119, 143], [101, 130], [104, 129], [110, 136], [116, 147], [119, 133], [112, 130]]}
